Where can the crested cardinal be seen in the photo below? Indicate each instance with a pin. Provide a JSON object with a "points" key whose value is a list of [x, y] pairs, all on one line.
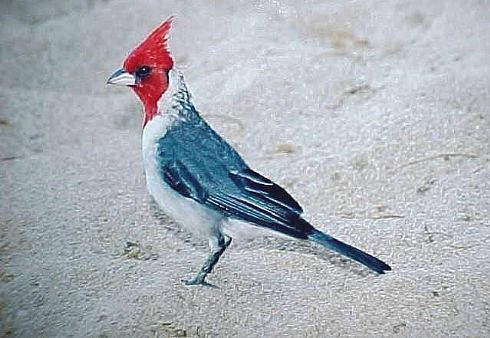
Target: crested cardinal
{"points": [[194, 175]]}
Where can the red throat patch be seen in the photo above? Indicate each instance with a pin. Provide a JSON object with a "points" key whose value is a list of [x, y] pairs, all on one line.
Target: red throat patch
{"points": [[152, 52]]}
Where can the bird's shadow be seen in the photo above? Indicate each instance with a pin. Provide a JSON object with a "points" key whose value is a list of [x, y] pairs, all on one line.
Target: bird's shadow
{"points": [[266, 242], [308, 248], [176, 229]]}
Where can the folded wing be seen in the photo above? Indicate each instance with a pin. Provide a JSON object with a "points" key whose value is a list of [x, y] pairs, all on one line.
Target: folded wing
{"points": [[213, 174]]}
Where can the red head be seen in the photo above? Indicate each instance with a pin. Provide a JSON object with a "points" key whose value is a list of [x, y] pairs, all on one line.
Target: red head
{"points": [[146, 69]]}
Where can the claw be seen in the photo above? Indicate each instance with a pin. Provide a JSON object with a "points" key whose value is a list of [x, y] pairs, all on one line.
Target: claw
{"points": [[197, 281], [210, 262]]}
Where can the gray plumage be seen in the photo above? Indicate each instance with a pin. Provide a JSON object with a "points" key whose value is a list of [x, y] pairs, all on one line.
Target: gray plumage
{"points": [[200, 165]]}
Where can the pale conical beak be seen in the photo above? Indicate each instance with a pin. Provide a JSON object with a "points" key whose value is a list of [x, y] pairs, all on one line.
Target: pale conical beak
{"points": [[122, 78]]}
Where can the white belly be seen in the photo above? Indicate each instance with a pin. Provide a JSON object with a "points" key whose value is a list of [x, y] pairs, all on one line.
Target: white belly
{"points": [[190, 214]]}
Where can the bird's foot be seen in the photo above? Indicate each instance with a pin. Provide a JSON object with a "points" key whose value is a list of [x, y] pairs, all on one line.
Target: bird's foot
{"points": [[210, 262], [200, 279]]}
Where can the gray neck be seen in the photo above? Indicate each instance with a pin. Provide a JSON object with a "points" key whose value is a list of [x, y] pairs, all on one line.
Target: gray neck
{"points": [[177, 101]]}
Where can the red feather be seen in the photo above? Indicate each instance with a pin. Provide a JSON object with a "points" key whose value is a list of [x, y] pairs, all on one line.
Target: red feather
{"points": [[152, 52]]}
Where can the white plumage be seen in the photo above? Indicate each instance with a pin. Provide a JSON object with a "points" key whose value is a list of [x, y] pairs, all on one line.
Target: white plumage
{"points": [[193, 216]]}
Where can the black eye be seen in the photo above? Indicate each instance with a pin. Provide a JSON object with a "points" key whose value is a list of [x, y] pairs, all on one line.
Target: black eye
{"points": [[143, 71]]}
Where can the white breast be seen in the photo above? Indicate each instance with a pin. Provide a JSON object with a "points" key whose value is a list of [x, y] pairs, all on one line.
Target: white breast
{"points": [[192, 215]]}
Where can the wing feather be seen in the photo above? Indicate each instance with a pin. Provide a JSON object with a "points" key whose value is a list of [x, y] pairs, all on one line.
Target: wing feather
{"points": [[198, 164], [255, 183]]}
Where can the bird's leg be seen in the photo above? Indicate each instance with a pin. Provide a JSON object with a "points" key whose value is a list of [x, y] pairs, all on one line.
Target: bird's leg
{"points": [[217, 250]]}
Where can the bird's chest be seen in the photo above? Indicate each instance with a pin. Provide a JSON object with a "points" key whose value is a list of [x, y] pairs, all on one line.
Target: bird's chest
{"points": [[152, 133], [194, 216]]}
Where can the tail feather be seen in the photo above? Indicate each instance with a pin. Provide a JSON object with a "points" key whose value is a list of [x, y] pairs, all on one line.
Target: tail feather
{"points": [[344, 249]]}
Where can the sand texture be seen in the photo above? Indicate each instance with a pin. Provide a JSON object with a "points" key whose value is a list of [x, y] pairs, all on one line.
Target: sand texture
{"points": [[375, 115]]}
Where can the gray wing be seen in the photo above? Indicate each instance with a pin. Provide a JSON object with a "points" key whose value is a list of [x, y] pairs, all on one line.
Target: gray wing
{"points": [[198, 164]]}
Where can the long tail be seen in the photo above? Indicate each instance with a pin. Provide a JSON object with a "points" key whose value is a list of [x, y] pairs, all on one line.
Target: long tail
{"points": [[344, 249]]}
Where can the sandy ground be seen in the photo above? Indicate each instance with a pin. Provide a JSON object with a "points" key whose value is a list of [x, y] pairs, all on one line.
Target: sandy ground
{"points": [[374, 114]]}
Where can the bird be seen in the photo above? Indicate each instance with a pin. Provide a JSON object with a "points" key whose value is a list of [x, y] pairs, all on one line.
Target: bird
{"points": [[195, 176]]}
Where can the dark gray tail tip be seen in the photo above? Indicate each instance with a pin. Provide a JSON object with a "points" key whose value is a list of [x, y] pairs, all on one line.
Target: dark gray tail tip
{"points": [[382, 270]]}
